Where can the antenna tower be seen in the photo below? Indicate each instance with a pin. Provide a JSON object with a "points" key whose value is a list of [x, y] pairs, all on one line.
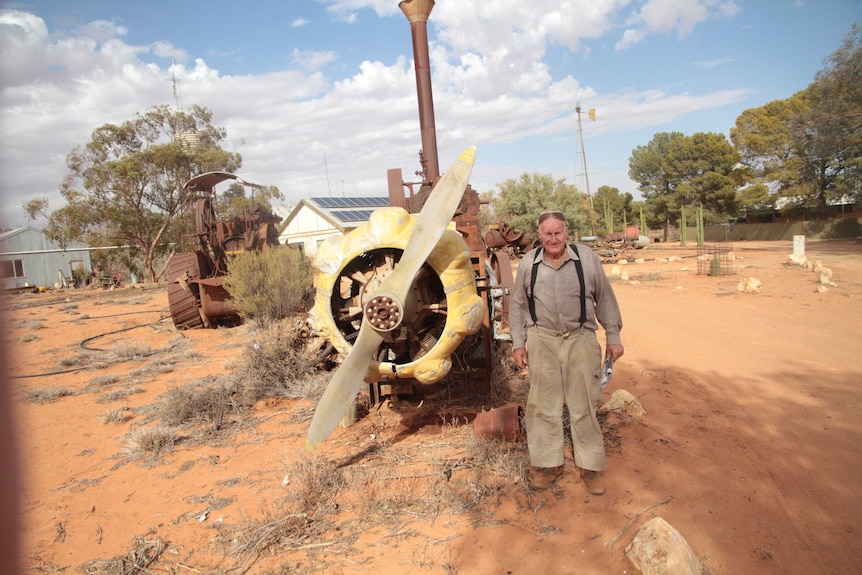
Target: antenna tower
{"points": [[582, 154]]}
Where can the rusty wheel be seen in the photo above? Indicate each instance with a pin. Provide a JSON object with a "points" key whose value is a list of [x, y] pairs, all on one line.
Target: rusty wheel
{"points": [[183, 296]]}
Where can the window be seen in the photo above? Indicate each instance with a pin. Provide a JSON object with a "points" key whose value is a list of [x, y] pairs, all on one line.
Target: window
{"points": [[11, 269]]}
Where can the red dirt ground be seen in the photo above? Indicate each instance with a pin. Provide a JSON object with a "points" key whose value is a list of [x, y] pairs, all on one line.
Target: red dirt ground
{"points": [[752, 434]]}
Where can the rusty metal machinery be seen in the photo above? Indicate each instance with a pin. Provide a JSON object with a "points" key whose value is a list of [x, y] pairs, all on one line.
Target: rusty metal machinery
{"points": [[196, 294]]}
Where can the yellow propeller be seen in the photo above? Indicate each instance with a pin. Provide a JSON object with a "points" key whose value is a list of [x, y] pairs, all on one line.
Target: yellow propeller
{"points": [[384, 309]]}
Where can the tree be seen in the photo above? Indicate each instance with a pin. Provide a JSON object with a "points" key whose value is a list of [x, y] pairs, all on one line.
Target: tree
{"points": [[233, 201], [702, 167], [808, 148], [125, 186], [677, 172], [830, 131], [520, 202], [647, 167], [36, 208], [620, 205]]}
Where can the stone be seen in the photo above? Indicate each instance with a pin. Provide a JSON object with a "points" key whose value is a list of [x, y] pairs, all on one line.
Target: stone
{"points": [[659, 549], [798, 259], [622, 400], [749, 285]]}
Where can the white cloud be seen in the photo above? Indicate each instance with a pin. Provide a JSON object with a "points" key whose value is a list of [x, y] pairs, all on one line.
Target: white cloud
{"points": [[312, 59], [491, 88], [668, 16]]}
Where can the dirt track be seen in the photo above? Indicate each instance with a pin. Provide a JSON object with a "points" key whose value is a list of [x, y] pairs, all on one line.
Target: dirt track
{"points": [[752, 429]]}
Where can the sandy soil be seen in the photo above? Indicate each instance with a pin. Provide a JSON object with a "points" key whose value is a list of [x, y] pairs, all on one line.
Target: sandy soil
{"points": [[749, 445]]}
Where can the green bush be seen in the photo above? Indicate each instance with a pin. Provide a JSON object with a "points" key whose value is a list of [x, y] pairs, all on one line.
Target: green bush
{"points": [[268, 286]]}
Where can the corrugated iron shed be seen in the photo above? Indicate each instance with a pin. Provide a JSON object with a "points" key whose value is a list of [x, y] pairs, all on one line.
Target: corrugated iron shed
{"points": [[29, 258]]}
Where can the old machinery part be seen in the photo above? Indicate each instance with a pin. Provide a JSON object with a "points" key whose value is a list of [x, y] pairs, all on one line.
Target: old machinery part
{"points": [[183, 293], [196, 292], [423, 240]]}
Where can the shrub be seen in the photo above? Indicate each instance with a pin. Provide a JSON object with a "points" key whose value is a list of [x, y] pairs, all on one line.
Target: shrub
{"points": [[46, 394], [268, 286], [279, 363], [114, 415], [208, 401], [149, 441]]}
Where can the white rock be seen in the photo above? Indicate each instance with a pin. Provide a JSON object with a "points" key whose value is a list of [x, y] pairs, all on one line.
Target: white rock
{"points": [[615, 271], [640, 261], [659, 549], [624, 276], [749, 285], [798, 259], [622, 400]]}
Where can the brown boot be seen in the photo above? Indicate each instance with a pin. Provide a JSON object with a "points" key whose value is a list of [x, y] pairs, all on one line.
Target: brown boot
{"points": [[544, 477], [594, 482]]}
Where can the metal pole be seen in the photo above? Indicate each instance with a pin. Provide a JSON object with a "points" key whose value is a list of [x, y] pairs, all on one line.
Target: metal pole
{"points": [[583, 153]]}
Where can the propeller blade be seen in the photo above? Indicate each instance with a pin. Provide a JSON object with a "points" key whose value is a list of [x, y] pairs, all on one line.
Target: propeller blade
{"points": [[344, 386], [431, 223], [427, 231]]}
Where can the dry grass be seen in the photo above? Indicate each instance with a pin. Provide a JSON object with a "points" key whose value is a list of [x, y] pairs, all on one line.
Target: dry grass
{"points": [[46, 394], [301, 519], [144, 553], [277, 363], [206, 401], [151, 442], [113, 416], [128, 351]]}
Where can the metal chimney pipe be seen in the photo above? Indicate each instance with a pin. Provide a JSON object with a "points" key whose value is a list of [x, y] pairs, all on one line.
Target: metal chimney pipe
{"points": [[417, 12]]}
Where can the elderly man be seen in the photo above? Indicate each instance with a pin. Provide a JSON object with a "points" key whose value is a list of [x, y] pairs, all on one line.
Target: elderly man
{"points": [[560, 297]]}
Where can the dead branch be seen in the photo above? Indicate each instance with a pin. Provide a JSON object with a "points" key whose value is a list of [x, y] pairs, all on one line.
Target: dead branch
{"points": [[632, 520]]}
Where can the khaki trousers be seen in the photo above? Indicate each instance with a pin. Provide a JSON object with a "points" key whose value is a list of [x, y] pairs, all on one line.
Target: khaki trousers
{"points": [[564, 368]]}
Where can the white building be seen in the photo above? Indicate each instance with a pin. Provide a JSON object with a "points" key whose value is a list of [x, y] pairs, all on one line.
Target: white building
{"points": [[315, 219]]}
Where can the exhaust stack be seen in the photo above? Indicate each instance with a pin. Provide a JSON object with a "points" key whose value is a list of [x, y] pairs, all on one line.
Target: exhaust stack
{"points": [[417, 12]]}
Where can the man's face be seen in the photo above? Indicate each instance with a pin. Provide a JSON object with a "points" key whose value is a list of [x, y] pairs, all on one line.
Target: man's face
{"points": [[554, 236]]}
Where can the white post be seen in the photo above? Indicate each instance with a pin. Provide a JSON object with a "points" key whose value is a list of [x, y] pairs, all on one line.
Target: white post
{"points": [[799, 245]]}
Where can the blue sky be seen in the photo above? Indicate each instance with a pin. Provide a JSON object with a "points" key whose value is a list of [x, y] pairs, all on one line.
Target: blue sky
{"points": [[296, 82]]}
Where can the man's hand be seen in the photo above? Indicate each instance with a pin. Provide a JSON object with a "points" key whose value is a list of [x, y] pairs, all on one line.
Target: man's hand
{"points": [[520, 357], [613, 351]]}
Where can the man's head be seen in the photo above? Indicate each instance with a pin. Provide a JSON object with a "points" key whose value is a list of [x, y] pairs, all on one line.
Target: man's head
{"points": [[553, 233]]}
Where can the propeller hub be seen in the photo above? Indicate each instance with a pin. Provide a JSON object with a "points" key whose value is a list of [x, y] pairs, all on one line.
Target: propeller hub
{"points": [[384, 312]]}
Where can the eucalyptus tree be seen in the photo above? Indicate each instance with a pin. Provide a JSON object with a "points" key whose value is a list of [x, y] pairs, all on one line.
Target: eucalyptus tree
{"points": [[125, 186]]}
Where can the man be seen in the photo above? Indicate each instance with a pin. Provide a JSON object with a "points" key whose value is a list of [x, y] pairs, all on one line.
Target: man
{"points": [[555, 334]]}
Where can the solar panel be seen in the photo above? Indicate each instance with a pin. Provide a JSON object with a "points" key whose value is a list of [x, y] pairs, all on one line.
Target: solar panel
{"points": [[352, 215], [341, 203]]}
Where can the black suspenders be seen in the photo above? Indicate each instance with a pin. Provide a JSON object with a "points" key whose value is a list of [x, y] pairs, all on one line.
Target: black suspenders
{"points": [[578, 267]]}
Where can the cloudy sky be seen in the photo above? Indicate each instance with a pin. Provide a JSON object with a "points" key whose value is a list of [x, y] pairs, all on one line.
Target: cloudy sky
{"points": [[319, 96]]}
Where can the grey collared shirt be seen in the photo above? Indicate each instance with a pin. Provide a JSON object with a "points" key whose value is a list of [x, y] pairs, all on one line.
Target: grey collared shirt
{"points": [[557, 297]]}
